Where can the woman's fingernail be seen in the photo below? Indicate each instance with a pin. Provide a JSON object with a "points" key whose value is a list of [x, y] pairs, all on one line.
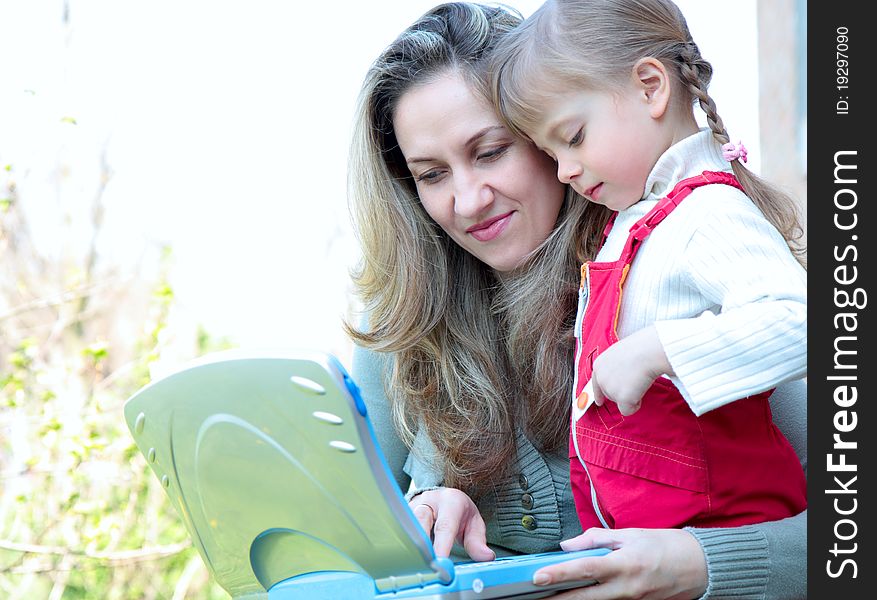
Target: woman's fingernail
{"points": [[541, 579]]}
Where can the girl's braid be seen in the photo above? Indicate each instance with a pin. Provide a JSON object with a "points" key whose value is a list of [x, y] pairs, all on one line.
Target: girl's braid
{"points": [[696, 74], [777, 206]]}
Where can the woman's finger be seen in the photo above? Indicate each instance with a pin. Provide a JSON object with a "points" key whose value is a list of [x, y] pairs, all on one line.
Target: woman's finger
{"points": [[475, 539], [589, 569], [600, 568], [425, 515], [595, 537], [451, 516], [580, 569], [446, 528], [611, 590]]}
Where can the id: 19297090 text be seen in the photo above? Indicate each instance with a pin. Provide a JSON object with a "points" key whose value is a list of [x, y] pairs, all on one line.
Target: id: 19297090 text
{"points": [[843, 70]]}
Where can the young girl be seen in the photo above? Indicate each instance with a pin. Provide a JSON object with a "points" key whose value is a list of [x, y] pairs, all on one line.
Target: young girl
{"points": [[695, 307]]}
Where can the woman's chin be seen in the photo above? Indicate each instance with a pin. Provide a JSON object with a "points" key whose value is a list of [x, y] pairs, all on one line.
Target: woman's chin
{"points": [[506, 263]]}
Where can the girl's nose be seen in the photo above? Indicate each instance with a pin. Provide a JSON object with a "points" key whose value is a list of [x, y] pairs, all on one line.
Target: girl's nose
{"points": [[568, 170], [472, 197]]}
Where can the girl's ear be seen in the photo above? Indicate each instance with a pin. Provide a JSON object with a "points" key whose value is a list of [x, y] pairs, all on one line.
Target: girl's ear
{"points": [[652, 81]]}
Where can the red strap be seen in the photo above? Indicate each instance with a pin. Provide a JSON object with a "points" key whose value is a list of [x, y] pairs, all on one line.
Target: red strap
{"points": [[608, 227], [642, 228]]}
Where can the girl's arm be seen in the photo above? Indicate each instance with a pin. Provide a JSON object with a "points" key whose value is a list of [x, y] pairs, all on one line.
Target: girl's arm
{"points": [[756, 339]]}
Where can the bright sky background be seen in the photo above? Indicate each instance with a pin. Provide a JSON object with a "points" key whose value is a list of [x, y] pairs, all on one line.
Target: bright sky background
{"points": [[226, 127]]}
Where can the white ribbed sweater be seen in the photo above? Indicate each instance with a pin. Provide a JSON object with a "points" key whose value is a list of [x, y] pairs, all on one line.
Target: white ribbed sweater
{"points": [[726, 295]]}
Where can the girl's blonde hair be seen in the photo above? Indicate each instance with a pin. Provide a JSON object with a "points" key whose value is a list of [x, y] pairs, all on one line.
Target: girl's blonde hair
{"points": [[594, 44], [474, 356]]}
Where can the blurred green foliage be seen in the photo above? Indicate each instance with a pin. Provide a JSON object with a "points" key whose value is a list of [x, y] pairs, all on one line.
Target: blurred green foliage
{"points": [[81, 514]]}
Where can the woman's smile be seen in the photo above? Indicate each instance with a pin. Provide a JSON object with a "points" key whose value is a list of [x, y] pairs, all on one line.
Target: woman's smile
{"points": [[491, 228]]}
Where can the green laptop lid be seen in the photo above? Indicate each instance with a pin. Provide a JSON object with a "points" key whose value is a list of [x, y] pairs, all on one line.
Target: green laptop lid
{"points": [[276, 473]]}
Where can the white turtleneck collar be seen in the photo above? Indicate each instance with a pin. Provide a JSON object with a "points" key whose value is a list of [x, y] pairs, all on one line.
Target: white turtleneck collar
{"points": [[688, 157]]}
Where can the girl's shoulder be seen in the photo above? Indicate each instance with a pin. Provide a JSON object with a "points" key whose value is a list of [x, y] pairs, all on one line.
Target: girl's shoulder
{"points": [[718, 199], [711, 208]]}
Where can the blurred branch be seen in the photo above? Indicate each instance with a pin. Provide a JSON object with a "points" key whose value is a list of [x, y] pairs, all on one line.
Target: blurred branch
{"points": [[64, 297], [60, 581], [181, 590], [113, 559], [97, 219]]}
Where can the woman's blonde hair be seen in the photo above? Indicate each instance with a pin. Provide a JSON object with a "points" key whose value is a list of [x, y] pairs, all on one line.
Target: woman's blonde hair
{"points": [[594, 44], [474, 356]]}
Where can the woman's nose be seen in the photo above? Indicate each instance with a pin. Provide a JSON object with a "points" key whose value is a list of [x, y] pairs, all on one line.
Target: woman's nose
{"points": [[472, 197]]}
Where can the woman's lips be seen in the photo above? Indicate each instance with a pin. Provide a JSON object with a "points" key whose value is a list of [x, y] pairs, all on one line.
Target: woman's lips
{"points": [[491, 228]]}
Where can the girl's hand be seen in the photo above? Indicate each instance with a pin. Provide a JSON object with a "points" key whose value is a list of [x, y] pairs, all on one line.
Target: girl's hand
{"points": [[646, 564], [627, 368], [449, 515]]}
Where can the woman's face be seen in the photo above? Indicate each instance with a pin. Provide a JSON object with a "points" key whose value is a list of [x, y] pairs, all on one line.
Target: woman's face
{"points": [[495, 194]]}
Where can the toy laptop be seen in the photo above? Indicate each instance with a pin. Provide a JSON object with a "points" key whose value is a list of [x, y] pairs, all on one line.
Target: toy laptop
{"points": [[272, 464]]}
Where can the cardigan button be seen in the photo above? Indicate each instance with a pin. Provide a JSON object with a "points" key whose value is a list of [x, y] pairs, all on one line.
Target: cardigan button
{"points": [[529, 522], [527, 501], [523, 482]]}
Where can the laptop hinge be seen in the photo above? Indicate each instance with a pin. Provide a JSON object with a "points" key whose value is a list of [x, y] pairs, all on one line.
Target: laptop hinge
{"points": [[442, 572], [404, 582]]}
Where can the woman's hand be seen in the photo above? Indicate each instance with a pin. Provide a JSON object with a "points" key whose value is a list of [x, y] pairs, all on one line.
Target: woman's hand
{"points": [[449, 515], [646, 564], [627, 368]]}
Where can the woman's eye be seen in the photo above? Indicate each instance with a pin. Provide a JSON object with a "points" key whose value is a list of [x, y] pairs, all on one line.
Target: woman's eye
{"points": [[577, 138], [492, 153], [428, 176]]}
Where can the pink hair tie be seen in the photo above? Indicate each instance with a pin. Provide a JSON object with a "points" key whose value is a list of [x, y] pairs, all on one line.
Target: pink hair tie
{"points": [[734, 151]]}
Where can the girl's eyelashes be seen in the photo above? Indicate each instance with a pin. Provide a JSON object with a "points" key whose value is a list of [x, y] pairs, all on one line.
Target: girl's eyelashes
{"points": [[577, 138]]}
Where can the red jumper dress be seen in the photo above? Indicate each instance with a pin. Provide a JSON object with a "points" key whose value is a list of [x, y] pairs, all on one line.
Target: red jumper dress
{"points": [[663, 466]]}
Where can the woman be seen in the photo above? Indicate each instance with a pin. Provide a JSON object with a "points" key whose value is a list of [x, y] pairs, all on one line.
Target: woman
{"points": [[471, 251]]}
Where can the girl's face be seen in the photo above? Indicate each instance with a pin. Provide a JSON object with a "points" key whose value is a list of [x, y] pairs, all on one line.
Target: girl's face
{"points": [[606, 144], [492, 192]]}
